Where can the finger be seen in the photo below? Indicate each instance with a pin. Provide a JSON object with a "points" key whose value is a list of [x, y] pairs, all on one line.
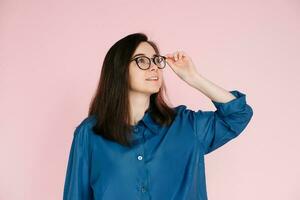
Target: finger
{"points": [[175, 55], [180, 55], [185, 55], [169, 56]]}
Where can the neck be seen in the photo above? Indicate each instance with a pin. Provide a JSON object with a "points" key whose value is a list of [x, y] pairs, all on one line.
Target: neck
{"points": [[139, 103]]}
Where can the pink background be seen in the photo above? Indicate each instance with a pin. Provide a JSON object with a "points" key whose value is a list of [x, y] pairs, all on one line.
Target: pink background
{"points": [[50, 58]]}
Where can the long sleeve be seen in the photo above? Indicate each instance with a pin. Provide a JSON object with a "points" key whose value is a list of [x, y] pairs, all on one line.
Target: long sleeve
{"points": [[215, 128], [76, 185]]}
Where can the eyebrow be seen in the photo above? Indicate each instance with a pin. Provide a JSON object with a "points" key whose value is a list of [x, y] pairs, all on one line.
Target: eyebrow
{"points": [[141, 54]]}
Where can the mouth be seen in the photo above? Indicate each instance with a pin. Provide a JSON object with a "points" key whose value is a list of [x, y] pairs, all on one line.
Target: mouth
{"points": [[154, 78]]}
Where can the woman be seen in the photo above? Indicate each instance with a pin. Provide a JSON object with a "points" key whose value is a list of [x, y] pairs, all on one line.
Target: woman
{"points": [[133, 145]]}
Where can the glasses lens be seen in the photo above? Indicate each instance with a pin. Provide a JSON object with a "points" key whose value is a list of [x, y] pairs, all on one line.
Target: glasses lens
{"points": [[143, 62], [160, 61]]}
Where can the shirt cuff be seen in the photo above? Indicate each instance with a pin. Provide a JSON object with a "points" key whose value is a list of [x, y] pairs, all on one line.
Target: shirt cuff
{"points": [[234, 105]]}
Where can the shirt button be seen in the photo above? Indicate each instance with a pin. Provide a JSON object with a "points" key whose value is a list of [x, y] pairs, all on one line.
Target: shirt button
{"points": [[140, 157], [136, 129], [143, 189]]}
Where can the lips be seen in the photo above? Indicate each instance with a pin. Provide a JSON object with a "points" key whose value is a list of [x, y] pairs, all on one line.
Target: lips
{"points": [[152, 78]]}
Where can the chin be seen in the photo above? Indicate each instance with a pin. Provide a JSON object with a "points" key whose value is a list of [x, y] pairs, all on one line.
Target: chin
{"points": [[152, 91]]}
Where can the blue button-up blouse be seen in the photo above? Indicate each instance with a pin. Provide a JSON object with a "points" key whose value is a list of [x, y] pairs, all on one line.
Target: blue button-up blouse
{"points": [[165, 163]]}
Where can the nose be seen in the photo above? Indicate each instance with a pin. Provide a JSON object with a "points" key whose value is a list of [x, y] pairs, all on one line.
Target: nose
{"points": [[153, 66]]}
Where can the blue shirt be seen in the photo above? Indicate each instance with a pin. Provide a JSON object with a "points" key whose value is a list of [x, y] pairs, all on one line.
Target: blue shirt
{"points": [[166, 163]]}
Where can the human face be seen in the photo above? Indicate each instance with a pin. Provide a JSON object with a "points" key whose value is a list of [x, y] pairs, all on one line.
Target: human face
{"points": [[137, 76]]}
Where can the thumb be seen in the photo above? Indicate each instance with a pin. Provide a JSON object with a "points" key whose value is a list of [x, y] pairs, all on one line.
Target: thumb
{"points": [[169, 58]]}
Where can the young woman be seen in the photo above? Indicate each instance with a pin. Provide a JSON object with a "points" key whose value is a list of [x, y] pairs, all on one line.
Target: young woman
{"points": [[132, 145]]}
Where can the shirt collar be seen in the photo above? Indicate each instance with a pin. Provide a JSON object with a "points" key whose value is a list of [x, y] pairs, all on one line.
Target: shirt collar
{"points": [[146, 122], [150, 123]]}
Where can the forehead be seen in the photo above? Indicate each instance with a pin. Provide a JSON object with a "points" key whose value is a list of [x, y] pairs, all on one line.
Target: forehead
{"points": [[145, 48]]}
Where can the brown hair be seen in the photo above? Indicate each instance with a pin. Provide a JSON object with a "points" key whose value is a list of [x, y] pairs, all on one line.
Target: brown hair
{"points": [[110, 104]]}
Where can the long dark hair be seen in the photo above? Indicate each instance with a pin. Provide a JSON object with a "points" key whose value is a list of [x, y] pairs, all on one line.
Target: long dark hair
{"points": [[110, 104]]}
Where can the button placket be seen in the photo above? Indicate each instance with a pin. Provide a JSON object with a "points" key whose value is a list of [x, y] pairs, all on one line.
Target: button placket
{"points": [[143, 189], [140, 156], [136, 129]]}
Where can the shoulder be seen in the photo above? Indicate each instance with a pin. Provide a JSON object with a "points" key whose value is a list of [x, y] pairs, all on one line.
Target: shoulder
{"points": [[180, 108], [183, 110], [184, 113], [87, 122], [85, 126]]}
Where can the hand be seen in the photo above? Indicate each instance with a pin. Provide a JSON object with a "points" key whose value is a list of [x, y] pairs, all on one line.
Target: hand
{"points": [[182, 65]]}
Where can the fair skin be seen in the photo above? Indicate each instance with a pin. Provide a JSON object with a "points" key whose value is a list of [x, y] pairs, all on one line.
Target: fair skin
{"points": [[140, 88], [182, 65]]}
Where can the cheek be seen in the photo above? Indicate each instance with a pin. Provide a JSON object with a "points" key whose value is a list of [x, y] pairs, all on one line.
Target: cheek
{"points": [[136, 78], [161, 77]]}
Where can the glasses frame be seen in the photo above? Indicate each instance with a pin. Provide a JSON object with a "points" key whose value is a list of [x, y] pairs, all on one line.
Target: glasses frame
{"points": [[150, 60]]}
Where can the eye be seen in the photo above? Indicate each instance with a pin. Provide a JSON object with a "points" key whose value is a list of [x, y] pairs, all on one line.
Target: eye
{"points": [[159, 59], [142, 60]]}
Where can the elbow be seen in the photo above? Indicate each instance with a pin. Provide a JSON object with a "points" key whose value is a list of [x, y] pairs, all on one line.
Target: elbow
{"points": [[243, 120], [249, 112]]}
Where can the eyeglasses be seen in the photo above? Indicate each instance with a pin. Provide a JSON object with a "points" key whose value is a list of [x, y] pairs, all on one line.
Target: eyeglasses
{"points": [[143, 62]]}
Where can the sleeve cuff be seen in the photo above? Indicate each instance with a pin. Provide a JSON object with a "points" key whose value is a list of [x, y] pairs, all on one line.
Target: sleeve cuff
{"points": [[235, 105]]}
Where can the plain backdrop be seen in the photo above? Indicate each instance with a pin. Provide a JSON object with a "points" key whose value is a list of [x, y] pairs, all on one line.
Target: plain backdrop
{"points": [[51, 54]]}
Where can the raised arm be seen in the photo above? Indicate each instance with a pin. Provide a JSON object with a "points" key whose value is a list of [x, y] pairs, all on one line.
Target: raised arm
{"points": [[212, 128], [215, 128]]}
